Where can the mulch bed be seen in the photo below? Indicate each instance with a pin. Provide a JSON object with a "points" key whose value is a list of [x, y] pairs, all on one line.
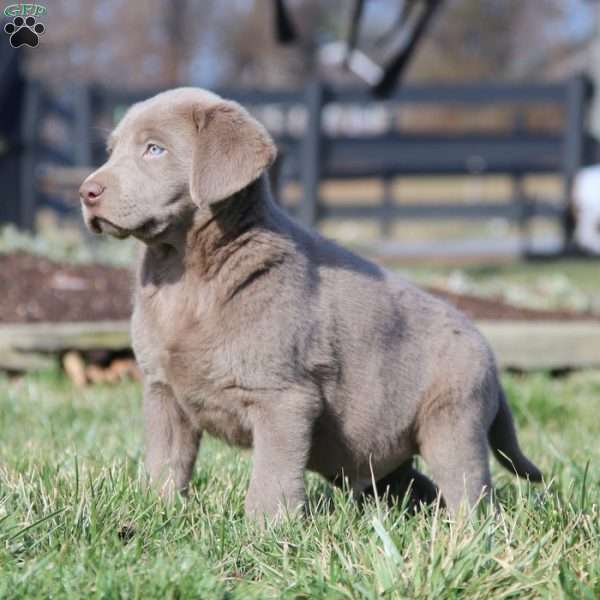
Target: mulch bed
{"points": [[35, 289], [490, 309]]}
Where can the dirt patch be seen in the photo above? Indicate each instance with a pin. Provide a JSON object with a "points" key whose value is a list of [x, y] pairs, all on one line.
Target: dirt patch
{"points": [[35, 289], [491, 309]]}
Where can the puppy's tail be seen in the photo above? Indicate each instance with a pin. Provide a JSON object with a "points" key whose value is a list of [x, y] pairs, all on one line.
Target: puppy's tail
{"points": [[504, 444]]}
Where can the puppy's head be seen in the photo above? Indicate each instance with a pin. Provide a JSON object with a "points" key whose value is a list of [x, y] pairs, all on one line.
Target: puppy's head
{"points": [[180, 149]]}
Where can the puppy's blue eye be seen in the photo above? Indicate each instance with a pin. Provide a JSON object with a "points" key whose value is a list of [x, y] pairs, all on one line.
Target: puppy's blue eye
{"points": [[155, 150]]}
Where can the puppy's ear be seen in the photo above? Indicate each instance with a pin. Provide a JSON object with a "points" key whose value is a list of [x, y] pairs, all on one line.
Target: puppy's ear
{"points": [[231, 150]]}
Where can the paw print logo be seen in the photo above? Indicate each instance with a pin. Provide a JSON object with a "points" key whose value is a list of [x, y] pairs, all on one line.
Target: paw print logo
{"points": [[24, 32]]}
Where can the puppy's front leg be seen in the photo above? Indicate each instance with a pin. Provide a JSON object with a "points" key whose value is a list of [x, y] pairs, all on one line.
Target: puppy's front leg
{"points": [[171, 441], [281, 444]]}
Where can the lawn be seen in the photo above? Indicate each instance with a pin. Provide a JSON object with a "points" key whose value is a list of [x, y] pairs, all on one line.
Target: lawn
{"points": [[75, 521]]}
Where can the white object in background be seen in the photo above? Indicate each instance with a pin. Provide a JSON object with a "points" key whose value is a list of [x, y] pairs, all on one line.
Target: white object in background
{"points": [[334, 54], [586, 198]]}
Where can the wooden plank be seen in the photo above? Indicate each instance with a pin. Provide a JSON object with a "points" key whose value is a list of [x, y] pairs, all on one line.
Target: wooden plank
{"points": [[527, 345], [57, 337], [409, 154], [451, 210], [111, 97], [465, 94], [478, 93], [26, 361], [531, 345]]}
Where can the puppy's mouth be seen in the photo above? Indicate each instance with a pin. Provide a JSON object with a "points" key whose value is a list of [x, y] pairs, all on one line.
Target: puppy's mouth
{"points": [[147, 231], [101, 225]]}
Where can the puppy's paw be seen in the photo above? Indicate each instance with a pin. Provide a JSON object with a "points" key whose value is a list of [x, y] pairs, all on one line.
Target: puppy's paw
{"points": [[265, 510]]}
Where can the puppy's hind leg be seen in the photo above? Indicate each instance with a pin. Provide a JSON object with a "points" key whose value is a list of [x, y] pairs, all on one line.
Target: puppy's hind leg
{"points": [[406, 481]]}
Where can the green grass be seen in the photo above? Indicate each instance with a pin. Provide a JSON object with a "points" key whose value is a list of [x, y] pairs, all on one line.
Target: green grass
{"points": [[66, 242], [562, 284], [70, 480]]}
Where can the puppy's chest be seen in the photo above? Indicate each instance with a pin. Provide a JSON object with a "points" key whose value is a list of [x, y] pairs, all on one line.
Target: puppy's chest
{"points": [[201, 362]]}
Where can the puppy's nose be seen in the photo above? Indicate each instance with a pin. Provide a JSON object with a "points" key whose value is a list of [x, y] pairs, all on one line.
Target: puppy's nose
{"points": [[90, 192]]}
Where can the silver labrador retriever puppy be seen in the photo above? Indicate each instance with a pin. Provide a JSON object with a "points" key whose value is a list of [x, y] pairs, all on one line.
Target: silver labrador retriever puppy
{"points": [[258, 331]]}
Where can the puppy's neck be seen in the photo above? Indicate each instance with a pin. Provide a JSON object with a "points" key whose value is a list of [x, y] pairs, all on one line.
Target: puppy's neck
{"points": [[220, 230], [205, 240]]}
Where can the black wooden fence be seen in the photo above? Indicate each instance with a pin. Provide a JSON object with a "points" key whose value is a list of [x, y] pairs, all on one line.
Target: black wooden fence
{"points": [[315, 155]]}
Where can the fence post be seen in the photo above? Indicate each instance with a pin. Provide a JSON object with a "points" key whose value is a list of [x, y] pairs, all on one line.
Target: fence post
{"points": [[311, 153], [82, 147], [577, 97], [525, 211], [12, 95], [30, 130], [387, 205]]}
